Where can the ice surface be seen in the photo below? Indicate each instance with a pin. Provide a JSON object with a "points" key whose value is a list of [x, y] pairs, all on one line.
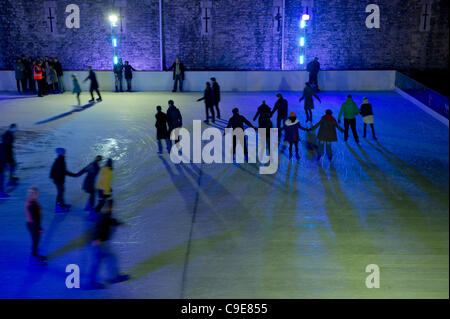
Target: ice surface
{"points": [[223, 230]]}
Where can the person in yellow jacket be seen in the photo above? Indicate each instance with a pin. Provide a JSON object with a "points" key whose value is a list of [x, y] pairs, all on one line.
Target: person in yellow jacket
{"points": [[104, 185]]}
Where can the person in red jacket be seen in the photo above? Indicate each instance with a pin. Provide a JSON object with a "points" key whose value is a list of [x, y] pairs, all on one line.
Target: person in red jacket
{"points": [[33, 217]]}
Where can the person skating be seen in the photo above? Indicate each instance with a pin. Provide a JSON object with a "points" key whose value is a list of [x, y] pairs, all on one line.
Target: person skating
{"points": [[58, 174], [237, 121], [367, 116], [76, 88], [8, 142], [292, 136], [281, 106], [91, 171], [94, 85], [263, 115], [104, 185], [308, 94], [313, 68], [350, 110], [178, 74], [162, 132], [174, 118], [327, 133], [208, 97], [102, 250], [118, 75], [128, 70], [216, 90], [33, 217], [3, 194]]}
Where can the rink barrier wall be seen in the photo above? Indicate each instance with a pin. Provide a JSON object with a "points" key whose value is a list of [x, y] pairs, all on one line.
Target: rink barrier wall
{"points": [[232, 81]]}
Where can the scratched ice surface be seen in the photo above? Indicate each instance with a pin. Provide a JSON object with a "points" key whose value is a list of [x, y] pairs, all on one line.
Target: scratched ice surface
{"points": [[223, 230]]}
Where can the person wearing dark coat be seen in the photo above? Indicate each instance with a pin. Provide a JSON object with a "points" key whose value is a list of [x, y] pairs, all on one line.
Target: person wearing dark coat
{"points": [[118, 75], [292, 136], [92, 171], [235, 122], [94, 85], [178, 74], [33, 217], [174, 118], [58, 174], [59, 73], [216, 90], [308, 94], [162, 132], [327, 133], [367, 116], [282, 108], [208, 97], [128, 70], [8, 141], [21, 79], [263, 115], [30, 79], [313, 68], [3, 162], [102, 250]]}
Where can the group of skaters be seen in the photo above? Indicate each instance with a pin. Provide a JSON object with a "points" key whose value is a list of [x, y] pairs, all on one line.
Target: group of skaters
{"points": [[41, 76]]}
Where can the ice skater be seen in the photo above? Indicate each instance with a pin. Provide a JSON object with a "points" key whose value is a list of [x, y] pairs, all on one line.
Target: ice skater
{"points": [[104, 185], [118, 75], [33, 216], [350, 110], [162, 132], [174, 118], [292, 136], [281, 106], [208, 97], [94, 85], [216, 90], [76, 88], [367, 116], [327, 133], [58, 174], [128, 71], [8, 142], [178, 74], [308, 94], [263, 115], [237, 121], [92, 171], [313, 68], [102, 250]]}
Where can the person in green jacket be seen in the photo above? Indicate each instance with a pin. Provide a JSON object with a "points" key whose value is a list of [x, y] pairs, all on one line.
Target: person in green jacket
{"points": [[350, 110]]}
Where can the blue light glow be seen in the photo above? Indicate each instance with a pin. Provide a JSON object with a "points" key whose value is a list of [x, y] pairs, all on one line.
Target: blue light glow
{"points": [[301, 59], [302, 41], [302, 24], [114, 42], [305, 17], [116, 59]]}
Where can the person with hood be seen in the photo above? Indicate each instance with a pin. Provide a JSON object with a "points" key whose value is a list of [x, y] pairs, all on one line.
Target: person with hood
{"points": [[178, 74], [3, 162], [76, 88], [94, 85], [292, 136], [263, 115], [118, 75], [91, 171], [58, 174], [216, 90], [327, 133], [208, 97], [308, 94], [19, 69], [162, 132], [174, 118], [367, 116], [282, 108], [237, 121], [102, 250], [33, 217], [350, 110], [128, 71], [104, 185], [8, 142]]}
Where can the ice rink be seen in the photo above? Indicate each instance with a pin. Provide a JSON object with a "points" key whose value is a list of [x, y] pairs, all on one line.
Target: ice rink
{"points": [[224, 230]]}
